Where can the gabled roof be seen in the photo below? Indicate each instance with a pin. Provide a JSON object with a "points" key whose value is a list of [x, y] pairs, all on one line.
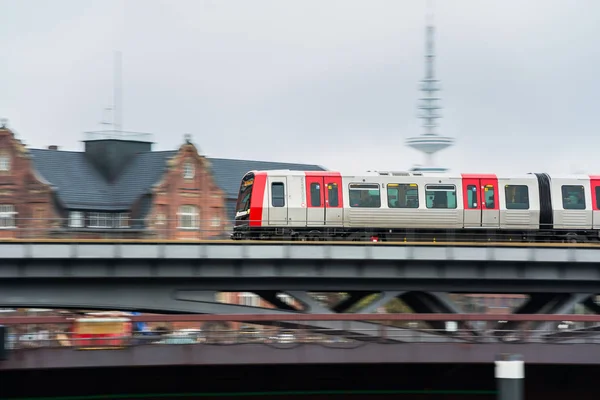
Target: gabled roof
{"points": [[80, 186]]}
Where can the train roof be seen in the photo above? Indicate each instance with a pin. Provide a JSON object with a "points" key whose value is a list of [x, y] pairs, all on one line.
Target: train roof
{"points": [[444, 175], [570, 176]]}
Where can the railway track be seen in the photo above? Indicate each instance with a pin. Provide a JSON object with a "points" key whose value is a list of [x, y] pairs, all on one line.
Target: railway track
{"points": [[301, 243]]}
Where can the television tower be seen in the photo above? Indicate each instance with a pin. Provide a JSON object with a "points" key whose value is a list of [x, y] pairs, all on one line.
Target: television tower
{"points": [[429, 142]]}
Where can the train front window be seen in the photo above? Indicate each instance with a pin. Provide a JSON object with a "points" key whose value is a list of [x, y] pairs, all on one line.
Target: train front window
{"points": [[245, 194]]}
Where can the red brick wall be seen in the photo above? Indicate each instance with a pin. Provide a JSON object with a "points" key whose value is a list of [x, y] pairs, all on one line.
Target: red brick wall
{"points": [[20, 187], [175, 190]]}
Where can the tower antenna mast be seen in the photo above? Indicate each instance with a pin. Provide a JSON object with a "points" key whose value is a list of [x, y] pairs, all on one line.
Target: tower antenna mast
{"points": [[430, 142]]}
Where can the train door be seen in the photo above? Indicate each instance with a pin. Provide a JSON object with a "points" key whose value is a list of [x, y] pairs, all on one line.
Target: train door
{"points": [[480, 199], [471, 201], [490, 207], [278, 207], [315, 201], [595, 186], [334, 206]]}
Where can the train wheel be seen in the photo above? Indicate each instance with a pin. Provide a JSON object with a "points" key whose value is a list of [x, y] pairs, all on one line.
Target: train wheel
{"points": [[356, 237], [314, 236], [571, 238]]}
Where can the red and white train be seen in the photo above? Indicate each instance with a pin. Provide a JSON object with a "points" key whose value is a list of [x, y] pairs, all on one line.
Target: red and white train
{"points": [[406, 206]]}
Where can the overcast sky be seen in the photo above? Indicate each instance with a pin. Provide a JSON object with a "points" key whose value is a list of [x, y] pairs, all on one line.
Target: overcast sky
{"points": [[332, 82]]}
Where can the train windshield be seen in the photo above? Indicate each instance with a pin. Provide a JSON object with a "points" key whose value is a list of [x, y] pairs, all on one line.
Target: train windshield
{"points": [[243, 202]]}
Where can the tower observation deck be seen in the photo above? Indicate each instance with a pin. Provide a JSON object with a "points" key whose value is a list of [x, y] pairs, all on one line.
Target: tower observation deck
{"points": [[429, 142]]}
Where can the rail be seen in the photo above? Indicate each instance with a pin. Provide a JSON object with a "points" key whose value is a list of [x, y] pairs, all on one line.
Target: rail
{"points": [[193, 230]]}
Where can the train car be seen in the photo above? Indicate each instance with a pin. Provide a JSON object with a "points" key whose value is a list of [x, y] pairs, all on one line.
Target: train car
{"points": [[407, 206]]}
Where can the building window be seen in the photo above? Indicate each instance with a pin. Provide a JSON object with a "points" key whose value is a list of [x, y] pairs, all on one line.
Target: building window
{"points": [[403, 195], [440, 196], [517, 197], [122, 220], [365, 195], [40, 215], [76, 219], [160, 219], [4, 162], [188, 217], [315, 194], [188, 170], [573, 197], [215, 222], [7, 216], [249, 299], [278, 194], [100, 220]]}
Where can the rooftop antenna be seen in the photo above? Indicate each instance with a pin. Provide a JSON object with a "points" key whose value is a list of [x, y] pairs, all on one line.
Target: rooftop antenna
{"points": [[118, 93]]}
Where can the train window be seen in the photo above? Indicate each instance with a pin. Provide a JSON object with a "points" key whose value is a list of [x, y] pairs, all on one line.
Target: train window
{"points": [[403, 195], [573, 197], [315, 194], [517, 197], [471, 196], [440, 196], [489, 192], [277, 194], [333, 194], [365, 195], [597, 189]]}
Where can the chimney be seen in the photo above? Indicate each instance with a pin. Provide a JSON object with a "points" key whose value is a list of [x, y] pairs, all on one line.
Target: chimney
{"points": [[53, 147]]}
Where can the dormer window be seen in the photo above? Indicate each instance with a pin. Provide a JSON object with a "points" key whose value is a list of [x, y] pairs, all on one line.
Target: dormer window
{"points": [[4, 162], [188, 170]]}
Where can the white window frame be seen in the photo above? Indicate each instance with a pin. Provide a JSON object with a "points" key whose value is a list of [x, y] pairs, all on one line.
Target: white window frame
{"points": [[249, 299], [188, 170], [188, 217], [122, 220], [100, 220], [4, 162], [76, 219], [7, 216], [215, 221], [160, 219]]}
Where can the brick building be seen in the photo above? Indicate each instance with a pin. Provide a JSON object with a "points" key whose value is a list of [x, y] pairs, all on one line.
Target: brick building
{"points": [[118, 187]]}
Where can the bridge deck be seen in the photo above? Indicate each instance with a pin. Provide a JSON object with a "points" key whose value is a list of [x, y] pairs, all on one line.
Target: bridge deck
{"points": [[260, 354], [298, 251]]}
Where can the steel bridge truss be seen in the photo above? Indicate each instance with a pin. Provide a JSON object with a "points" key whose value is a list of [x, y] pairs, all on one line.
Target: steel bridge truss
{"points": [[176, 298], [362, 302]]}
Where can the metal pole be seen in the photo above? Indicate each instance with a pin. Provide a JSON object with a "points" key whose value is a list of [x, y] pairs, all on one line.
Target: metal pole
{"points": [[510, 374], [3, 343]]}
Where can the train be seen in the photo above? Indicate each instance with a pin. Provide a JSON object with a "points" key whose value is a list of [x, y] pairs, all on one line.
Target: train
{"points": [[402, 206]]}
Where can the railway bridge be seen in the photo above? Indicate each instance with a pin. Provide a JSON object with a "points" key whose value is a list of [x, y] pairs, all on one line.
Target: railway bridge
{"points": [[187, 277]]}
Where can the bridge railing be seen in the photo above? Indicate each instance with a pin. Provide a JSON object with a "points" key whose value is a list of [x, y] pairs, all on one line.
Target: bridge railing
{"points": [[343, 331], [191, 228]]}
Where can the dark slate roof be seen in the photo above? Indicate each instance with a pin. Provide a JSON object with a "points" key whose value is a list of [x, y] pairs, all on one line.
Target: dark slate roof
{"points": [[80, 186], [228, 173]]}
